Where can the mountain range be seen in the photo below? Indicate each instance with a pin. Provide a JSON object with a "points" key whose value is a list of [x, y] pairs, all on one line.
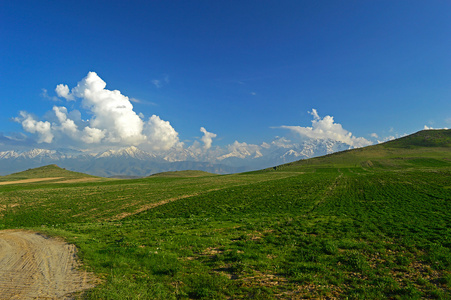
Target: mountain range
{"points": [[132, 161]]}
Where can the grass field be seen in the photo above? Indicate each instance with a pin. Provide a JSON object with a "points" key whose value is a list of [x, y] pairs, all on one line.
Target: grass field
{"points": [[370, 223]]}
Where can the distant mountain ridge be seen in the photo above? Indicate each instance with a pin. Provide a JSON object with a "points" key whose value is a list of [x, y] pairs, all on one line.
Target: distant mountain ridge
{"points": [[132, 161], [239, 157]]}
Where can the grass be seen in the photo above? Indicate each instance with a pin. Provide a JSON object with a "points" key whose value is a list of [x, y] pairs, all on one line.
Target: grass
{"points": [[185, 173], [369, 223]]}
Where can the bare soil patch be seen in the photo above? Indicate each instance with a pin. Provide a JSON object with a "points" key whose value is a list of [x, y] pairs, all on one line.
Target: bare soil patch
{"points": [[33, 266], [28, 180]]}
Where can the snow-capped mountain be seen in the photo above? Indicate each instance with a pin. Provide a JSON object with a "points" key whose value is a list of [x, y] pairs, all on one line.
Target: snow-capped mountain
{"points": [[130, 152], [31, 154], [132, 161]]}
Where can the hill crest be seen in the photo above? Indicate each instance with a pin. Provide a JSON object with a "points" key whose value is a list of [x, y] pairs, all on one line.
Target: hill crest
{"points": [[48, 171]]}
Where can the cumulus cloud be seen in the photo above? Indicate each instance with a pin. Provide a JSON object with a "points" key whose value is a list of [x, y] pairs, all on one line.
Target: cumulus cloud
{"points": [[112, 111], [112, 121], [207, 139], [42, 129], [66, 125], [62, 90], [92, 135], [161, 134], [326, 128]]}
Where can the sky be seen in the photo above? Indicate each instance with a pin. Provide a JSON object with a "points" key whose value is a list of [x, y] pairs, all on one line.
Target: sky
{"points": [[162, 74]]}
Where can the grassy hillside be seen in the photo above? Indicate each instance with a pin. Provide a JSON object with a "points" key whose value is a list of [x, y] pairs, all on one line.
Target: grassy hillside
{"points": [[427, 148], [367, 223], [50, 171]]}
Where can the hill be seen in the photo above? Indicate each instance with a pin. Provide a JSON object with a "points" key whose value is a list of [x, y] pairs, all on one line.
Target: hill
{"points": [[47, 173], [422, 139], [369, 223], [427, 148]]}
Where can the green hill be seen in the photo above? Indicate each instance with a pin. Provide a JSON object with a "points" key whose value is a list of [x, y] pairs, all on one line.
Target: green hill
{"points": [[368, 223], [422, 139], [50, 171], [427, 148]]}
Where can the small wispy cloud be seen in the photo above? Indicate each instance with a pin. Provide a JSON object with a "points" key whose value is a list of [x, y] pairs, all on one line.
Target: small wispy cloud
{"points": [[134, 100], [45, 95], [431, 128], [158, 83], [144, 102]]}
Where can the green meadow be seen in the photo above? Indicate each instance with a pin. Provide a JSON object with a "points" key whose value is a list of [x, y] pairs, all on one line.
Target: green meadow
{"points": [[369, 223]]}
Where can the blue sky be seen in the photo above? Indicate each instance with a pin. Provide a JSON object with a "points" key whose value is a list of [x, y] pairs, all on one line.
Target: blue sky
{"points": [[244, 70]]}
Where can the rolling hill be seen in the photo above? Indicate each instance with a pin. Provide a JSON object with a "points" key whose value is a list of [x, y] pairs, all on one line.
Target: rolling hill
{"points": [[364, 223]]}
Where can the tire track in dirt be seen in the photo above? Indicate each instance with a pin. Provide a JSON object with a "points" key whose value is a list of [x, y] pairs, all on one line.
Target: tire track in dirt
{"points": [[33, 266]]}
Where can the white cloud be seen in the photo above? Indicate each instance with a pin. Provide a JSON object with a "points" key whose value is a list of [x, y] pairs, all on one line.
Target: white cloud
{"points": [[207, 138], [62, 90], [67, 126], [42, 129], [112, 112], [326, 128], [161, 135], [45, 95], [431, 128], [157, 83], [92, 135], [112, 121], [374, 135]]}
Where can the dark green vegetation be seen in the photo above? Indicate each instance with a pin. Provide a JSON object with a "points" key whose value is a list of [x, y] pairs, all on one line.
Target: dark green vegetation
{"points": [[367, 223]]}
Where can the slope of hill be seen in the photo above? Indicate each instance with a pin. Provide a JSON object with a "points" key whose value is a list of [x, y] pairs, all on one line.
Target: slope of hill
{"points": [[428, 148], [45, 172], [368, 223], [424, 138]]}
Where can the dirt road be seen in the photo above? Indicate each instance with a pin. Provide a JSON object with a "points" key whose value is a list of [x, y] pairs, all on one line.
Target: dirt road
{"points": [[33, 266], [28, 180]]}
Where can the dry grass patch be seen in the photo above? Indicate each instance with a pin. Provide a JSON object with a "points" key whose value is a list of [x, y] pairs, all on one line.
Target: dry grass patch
{"points": [[31, 180]]}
